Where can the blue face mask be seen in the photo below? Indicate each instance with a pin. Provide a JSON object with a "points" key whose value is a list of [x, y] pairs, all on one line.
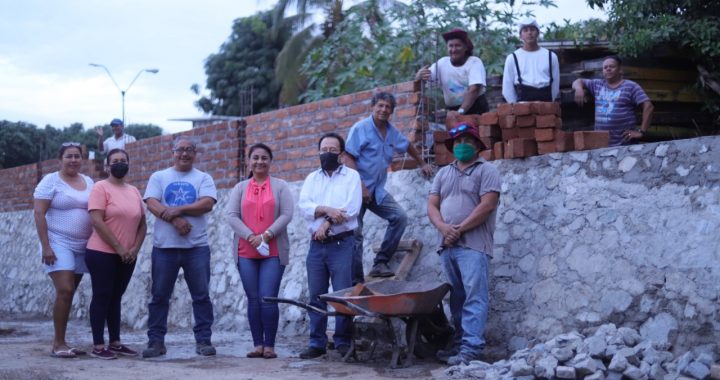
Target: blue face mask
{"points": [[464, 152]]}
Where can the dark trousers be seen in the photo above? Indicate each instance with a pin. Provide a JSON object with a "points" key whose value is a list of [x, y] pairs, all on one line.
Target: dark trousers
{"points": [[480, 106], [110, 277]]}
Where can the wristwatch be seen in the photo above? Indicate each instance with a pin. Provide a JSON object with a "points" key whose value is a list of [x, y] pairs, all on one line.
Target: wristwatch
{"points": [[461, 111]]}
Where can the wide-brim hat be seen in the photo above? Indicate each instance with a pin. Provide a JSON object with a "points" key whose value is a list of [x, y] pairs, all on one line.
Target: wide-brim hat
{"points": [[463, 128], [462, 35]]}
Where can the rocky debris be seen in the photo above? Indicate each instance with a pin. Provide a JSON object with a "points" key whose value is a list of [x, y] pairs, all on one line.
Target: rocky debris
{"points": [[610, 353]]}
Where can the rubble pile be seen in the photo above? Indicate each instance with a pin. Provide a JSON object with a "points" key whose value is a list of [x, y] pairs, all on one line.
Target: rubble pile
{"points": [[610, 353]]}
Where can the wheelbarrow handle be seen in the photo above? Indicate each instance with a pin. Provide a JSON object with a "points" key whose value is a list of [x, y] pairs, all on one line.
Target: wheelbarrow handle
{"points": [[303, 305], [359, 309]]}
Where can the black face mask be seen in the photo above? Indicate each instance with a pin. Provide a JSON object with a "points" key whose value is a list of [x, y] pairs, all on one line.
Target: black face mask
{"points": [[329, 161], [119, 169]]}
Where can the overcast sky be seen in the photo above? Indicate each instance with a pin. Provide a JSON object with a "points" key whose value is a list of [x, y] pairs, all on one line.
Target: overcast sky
{"points": [[46, 46]]}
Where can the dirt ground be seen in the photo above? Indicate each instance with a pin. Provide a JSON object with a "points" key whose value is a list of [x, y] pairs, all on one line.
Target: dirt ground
{"points": [[26, 346]]}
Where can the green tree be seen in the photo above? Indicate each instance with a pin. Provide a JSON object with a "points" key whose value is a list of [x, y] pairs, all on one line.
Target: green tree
{"points": [[246, 59], [18, 144], [379, 44]]}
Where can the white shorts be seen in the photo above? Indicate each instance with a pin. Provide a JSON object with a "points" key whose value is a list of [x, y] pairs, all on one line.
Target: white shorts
{"points": [[67, 259]]}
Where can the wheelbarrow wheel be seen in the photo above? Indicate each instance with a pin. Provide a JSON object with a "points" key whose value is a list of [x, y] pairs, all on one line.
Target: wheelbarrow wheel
{"points": [[433, 334]]}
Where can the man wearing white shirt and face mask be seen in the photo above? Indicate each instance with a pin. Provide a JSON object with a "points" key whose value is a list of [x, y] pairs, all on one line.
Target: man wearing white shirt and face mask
{"points": [[330, 201], [532, 73]]}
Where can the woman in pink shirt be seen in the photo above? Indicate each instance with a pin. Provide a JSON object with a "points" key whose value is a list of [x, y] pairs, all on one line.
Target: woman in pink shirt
{"points": [[118, 220], [259, 210]]}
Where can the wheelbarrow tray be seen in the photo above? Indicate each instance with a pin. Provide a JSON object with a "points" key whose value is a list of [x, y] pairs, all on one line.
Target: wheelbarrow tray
{"points": [[388, 298]]}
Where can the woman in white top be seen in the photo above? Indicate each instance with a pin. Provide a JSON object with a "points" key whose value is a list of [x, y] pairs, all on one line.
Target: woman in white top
{"points": [[63, 227]]}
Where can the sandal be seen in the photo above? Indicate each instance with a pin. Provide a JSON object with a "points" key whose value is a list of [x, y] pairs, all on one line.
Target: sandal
{"points": [[269, 355], [77, 351], [64, 354], [255, 354]]}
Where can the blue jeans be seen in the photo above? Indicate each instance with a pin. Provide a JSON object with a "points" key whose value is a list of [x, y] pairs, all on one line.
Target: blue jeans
{"points": [[391, 211], [329, 262], [166, 264], [261, 278], [110, 277], [467, 271]]}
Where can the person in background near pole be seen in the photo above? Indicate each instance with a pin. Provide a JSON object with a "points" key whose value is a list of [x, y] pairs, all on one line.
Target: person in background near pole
{"points": [[119, 228], [615, 102], [462, 206], [461, 75], [117, 140], [63, 226], [532, 73], [180, 197], [372, 143], [330, 201], [259, 210]]}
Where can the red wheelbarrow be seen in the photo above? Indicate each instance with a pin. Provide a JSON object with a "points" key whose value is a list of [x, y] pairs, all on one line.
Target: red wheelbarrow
{"points": [[415, 303]]}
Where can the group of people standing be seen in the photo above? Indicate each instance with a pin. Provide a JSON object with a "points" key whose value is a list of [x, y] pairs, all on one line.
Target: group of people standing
{"points": [[99, 228], [532, 73]]}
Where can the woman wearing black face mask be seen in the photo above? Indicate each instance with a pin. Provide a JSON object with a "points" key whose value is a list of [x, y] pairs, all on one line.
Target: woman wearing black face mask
{"points": [[118, 220]]}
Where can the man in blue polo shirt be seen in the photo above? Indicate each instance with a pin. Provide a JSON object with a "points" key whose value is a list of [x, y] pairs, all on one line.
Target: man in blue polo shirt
{"points": [[371, 145]]}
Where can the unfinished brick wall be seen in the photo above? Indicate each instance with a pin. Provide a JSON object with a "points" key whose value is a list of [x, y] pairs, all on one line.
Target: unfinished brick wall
{"points": [[291, 132]]}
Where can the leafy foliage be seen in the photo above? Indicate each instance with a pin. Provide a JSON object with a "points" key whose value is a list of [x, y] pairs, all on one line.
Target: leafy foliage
{"points": [[637, 26], [582, 32], [23, 143], [377, 45], [246, 59]]}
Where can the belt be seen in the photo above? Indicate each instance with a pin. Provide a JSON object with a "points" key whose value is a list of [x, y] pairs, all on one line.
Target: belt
{"points": [[334, 238]]}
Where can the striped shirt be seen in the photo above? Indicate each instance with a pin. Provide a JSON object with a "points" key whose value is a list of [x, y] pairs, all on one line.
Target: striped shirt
{"points": [[615, 107], [111, 142]]}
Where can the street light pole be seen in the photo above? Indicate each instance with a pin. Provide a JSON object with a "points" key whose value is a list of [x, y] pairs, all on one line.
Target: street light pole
{"points": [[123, 92]]}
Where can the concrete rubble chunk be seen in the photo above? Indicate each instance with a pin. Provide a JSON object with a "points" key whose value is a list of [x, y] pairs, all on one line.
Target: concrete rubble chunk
{"points": [[545, 367], [659, 328], [715, 372], [657, 371], [562, 354], [613, 375], [563, 372], [705, 358], [599, 375], [618, 363], [634, 373], [596, 346], [521, 368], [584, 366], [630, 336], [684, 361], [697, 370]]}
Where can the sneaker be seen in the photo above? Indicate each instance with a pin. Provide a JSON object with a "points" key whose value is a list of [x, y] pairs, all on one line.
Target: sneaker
{"points": [[154, 349], [205, 349], [461, 358], [444, 355], [312, 353], [381, 270], [103, 354], [122, 350]]}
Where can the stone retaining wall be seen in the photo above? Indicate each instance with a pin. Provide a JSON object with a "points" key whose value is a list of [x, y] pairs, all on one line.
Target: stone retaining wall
{"points": [[617, 235]]}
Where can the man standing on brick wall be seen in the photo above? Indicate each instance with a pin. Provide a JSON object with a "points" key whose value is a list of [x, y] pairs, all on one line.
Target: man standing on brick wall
{"points": [[179, 197], [532, 73], [330, 201], [371, 144], [461, 75], [117, 140], [462, 206], [615, 102]]}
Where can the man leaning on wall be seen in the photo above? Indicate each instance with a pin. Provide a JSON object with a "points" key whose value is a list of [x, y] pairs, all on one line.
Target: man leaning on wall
{"points": [[371, 145]]}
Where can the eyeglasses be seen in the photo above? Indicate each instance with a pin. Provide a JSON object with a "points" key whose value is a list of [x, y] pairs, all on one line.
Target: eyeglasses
{"points": [[458, 130], [187, 149], [69, 144]]}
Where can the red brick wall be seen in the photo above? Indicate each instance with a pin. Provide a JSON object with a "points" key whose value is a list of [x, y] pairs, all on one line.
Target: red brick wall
{"points": [[291, 133]]}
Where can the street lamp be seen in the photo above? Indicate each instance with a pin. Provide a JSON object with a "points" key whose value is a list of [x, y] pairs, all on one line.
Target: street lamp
{"points": [[123, 92]]}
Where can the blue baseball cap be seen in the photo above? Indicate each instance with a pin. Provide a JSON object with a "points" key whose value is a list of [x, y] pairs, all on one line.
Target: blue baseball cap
{"points": [[116, 122]]}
